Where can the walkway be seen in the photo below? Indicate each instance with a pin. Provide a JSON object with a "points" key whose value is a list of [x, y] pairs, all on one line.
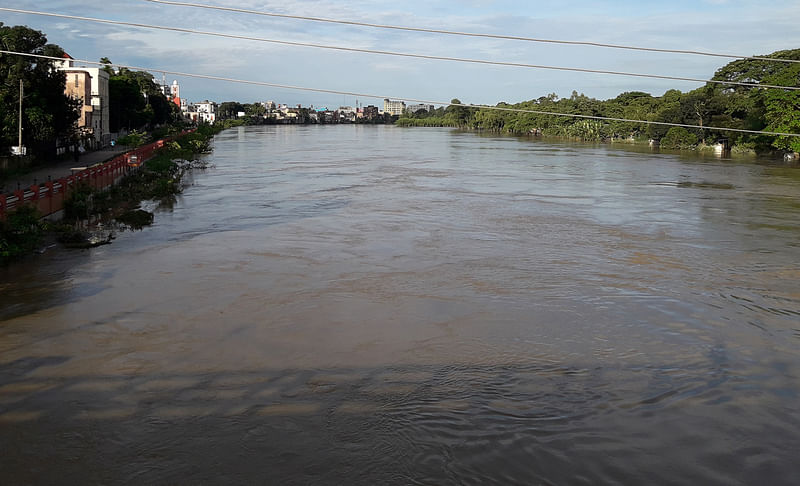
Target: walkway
{"points": [[59, 169]]}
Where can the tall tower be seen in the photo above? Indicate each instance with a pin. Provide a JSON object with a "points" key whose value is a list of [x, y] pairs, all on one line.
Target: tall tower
{"points": [[175, 90]]}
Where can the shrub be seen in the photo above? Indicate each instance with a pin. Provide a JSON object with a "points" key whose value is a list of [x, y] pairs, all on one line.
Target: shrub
{"points": [[79, 203], [133, 139], [677, 138], [20, 233]]}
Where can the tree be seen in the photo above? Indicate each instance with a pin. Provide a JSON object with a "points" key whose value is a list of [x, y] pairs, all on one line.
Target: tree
{"points": [[459, 114], [761, 108], [126, 104], [107, 65], [48, 113], [678, 137], [136, 101], [489, 120], [255, 110], [229, 109], [783, 109]]}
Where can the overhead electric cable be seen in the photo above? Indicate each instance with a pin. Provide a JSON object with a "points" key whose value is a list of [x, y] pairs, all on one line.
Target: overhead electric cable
{"points": [[401, 54], [468, 34], [415, 100]]}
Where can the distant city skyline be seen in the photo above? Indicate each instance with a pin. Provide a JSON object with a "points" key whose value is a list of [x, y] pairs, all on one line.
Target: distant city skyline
{"points": [[738, 27]]}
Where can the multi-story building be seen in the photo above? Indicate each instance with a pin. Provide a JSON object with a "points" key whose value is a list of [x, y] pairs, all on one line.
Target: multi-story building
{"points": [[204, 112], [416, 108], [370, 112], [347, 114], [90, 85], [393, 107], [79, 86]]}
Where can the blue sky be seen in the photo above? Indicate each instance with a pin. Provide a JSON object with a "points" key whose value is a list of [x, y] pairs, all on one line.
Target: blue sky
{"points": [[730, 26]]}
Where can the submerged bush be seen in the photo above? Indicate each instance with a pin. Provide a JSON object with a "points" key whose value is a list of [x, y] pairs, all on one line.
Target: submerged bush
{"points": [[20, 233], [79, 203], [136, 219]]}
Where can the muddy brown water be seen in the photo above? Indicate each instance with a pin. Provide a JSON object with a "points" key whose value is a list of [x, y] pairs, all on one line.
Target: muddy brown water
{"points": [[377, 305]]}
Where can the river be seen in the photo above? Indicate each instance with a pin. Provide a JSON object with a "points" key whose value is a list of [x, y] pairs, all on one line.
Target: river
{"points": [[378, 305]]}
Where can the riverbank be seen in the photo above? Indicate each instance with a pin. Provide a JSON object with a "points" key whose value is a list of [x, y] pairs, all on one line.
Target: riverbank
{"points": [[87, 205], [734, 150], [753, 120]]}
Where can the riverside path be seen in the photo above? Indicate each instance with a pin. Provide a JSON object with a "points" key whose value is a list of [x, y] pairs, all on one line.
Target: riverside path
{"points": [[56, 170]]}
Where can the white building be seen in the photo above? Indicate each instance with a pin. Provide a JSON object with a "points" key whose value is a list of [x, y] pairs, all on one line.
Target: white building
{"points": [[416, 108], [347, 114], [393, 107], [204, 112], [94, 114]]}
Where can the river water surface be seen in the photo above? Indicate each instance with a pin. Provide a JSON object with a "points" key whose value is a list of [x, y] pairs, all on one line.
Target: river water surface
{"points": [[377, 305]]}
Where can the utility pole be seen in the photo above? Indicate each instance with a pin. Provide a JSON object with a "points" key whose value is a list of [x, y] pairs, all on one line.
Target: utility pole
{"points": [[20, 116]]}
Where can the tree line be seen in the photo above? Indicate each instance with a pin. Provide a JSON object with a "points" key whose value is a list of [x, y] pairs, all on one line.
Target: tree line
{"points": [[712, 105]]}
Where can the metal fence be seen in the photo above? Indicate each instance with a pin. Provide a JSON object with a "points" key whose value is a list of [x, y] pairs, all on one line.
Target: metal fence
{"points": [[48, 198]]}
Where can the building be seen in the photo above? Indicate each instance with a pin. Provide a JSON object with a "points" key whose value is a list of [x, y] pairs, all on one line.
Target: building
{"points": [[165, 89], [416, 108], [370, 112], [175, 89], [347, 114], [393, 107], [204, 112], [175, 94], [90, 85], [79, 87]]}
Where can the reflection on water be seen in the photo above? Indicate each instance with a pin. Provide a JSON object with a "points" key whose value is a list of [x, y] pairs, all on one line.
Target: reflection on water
{"points": [[367, 305]]}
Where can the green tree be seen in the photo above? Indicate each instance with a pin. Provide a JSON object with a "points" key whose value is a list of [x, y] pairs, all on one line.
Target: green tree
{"points": [[107, 66], [759, 108], [255, 109], [48, 113], [460, 115], [137, 102], [489, 120], [782, 108], [678, 137], [229, 109], [126, 104]]}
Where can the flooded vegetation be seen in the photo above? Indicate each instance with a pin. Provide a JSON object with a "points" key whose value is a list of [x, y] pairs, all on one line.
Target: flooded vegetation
{"points": [[377, 305]]}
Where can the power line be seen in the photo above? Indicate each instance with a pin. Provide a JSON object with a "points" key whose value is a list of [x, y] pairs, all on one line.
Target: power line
{"points": [[415, 100], [469, 34], [401, 54]]}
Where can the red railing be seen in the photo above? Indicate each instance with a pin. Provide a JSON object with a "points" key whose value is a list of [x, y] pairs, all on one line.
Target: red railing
{"points": [[49, 197]]}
